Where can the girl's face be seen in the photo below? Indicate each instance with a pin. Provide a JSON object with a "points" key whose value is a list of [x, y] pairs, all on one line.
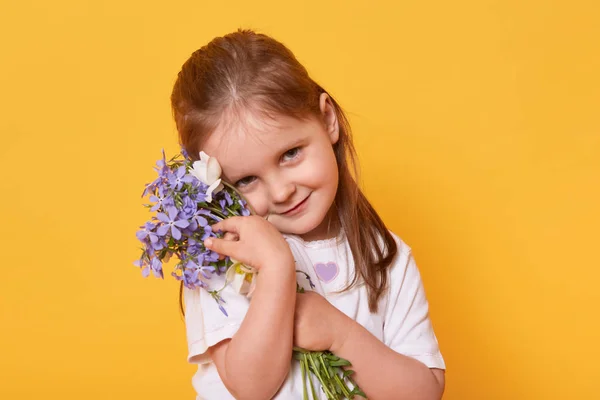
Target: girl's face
{"points": [[286, 168]]}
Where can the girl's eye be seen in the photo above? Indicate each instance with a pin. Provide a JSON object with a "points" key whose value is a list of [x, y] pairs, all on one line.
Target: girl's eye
{"points": [[245, 181], [291, 154]]}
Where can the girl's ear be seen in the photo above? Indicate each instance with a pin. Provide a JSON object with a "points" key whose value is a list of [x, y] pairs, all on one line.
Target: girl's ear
{"points": [[329, 117]]}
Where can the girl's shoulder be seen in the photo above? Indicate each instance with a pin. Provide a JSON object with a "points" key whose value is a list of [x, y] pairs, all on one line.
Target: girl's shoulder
{"points": [[403, 248], [403, 271]]}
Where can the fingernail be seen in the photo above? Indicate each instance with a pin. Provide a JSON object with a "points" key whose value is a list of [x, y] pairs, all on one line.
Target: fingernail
{"points": [[208, 242]]}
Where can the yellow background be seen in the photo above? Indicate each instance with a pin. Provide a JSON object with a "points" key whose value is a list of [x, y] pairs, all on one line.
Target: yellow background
{"points": [[477, 127]]}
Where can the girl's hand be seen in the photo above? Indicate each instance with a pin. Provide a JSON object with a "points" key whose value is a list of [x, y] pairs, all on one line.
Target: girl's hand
{"points": [[259, 244], [318, 325]]}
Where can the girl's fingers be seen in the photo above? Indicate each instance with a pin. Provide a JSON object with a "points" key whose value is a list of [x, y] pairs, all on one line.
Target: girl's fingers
{"points": [[222, 246], [227, 225], [231, 236]]}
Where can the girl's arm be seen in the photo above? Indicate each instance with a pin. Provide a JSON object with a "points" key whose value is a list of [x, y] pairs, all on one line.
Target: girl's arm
{"points": [[380, 372], [394, 373], [254, 363]]}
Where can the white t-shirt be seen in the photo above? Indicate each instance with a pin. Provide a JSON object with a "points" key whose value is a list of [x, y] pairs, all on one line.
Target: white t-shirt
{"points": [[402, 321]]}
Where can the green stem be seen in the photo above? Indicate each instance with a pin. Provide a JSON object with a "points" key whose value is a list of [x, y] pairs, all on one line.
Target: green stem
{"points": [[326, 369], [342, 386], [312, 387], [303, 372], [324, 366], [320, 378], [217, 212], [230, 211]]}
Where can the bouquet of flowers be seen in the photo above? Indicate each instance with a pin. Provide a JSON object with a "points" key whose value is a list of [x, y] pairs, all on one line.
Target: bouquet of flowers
{"points": [[187, 198]]}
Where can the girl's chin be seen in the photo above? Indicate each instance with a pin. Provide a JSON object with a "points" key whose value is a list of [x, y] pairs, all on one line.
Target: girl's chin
{"points": [[309, 231], [297, 227]]}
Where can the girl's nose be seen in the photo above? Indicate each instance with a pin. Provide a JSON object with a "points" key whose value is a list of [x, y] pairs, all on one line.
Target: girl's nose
{"points": [[280, 193]]}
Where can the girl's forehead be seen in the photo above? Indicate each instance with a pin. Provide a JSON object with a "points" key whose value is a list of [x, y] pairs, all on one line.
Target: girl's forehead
{"points": [[254, 123]]}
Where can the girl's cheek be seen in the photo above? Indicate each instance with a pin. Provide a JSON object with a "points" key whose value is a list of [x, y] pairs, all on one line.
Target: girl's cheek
{"points": [[258, 203]]}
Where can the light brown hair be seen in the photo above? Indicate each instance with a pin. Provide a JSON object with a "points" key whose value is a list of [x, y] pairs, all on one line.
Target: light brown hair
{"points": [[247, 69]]}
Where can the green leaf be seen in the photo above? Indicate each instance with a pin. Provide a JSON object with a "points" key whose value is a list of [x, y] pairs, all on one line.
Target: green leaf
{"points": [[340, 363], [357, 392], [300, 350]]}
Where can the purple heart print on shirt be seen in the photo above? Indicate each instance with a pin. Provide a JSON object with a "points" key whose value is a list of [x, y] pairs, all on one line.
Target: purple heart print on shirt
{"points": [[327, 272]]}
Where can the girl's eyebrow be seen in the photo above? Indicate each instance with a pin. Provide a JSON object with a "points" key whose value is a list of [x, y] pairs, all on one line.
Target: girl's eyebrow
{"points": [[291, 144]]}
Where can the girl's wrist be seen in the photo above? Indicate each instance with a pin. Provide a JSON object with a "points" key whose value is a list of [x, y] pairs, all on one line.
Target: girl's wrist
{"points": [[280, 274], [342, 327], [280, 264]]}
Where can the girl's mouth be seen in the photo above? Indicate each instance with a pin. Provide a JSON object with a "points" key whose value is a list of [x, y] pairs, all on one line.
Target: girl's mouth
{"points": [[297, 208]]}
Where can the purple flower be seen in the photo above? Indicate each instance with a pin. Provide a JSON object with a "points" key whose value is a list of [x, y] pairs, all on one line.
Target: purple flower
{"points": [[162, 173], [205, 268], [197, 220], [199, 189], [177, 179], [156, 267], [200, 219], [140, 263], [191, 280], [162, 164], [151, 187], [159, 198], [245, 211], [215, 295], [159, 245], [310, 282], [211, 256], [171, 222], [189, 207], [189, 231], [190, 275], [228, 198], [194, 248], [184, 152], [169, 201], [225, 201], [208, 232], [148, 231]]}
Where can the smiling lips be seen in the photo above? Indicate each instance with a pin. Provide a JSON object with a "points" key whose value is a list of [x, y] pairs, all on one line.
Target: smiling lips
{"points": [[298, 207]]}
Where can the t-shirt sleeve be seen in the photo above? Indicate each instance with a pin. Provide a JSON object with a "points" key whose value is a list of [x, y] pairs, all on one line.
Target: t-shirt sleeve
{"points": [[407, 328], [206, 325]]}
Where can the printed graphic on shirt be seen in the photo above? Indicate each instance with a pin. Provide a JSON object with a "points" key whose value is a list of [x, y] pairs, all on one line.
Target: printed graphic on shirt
{"points": [[327, 272]]}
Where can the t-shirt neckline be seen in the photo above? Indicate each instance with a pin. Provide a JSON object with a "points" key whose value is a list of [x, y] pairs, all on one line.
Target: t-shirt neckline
{"points": [[321, 243]]}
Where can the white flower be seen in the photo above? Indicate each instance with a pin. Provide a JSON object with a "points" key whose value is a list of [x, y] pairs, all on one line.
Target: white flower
{"points": [[242, 277], [208, 171]]}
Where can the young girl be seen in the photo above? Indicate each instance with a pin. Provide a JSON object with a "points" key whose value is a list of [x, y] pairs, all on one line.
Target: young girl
{"points": [[285, 144]]}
